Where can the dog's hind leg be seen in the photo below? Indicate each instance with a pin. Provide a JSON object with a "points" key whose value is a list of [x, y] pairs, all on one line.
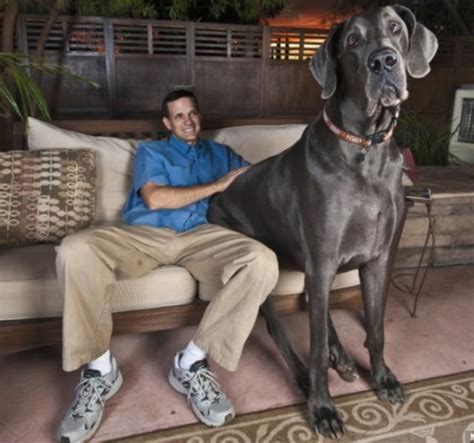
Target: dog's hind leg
{"points": [[276, 330], [373, 277], [339, 360]]}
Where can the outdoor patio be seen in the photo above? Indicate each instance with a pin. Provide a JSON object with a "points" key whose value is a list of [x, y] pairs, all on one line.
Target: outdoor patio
{"points": [[35, 391], [255, 91]]}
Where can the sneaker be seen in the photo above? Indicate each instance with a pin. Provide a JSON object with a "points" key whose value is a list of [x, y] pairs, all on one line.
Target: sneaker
{"points": [[205, 396], [83, 417]]}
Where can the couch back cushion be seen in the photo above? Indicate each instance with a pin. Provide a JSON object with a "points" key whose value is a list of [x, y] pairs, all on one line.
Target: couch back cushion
{"points": [[115, 155], [257, 142], [45, 194], [114, 163]]}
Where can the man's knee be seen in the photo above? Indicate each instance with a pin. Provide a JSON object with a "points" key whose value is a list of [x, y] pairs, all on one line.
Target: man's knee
{"points": [[73, 245], [265, 263]]}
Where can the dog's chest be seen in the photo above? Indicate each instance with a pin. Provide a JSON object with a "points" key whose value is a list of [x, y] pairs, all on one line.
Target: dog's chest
{"points": [[368, 216]]}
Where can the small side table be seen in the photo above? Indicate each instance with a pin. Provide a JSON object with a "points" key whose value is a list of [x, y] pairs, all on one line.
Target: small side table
{"points": [[424, 197]]}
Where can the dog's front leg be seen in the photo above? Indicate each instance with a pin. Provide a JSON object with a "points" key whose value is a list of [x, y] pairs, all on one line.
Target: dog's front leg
{"points": [[374, 282], [323, 415]]}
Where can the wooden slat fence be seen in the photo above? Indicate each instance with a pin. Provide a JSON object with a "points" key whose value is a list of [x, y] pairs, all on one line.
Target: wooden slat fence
{"points": [[295, 44], [235, 69]]}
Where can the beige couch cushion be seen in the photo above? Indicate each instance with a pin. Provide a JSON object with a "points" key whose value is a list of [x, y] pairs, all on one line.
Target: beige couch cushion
{"points": [[45, 194], [257, 142], [29, 288], [114, 163], [115, 156], [289, 282]]}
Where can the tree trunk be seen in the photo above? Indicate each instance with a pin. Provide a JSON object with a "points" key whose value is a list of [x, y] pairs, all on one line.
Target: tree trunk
{"points": [[9, 20], [52, 17], [8, 39]]}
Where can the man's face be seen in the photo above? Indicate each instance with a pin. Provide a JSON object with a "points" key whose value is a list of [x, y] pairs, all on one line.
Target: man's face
{"points": [[184, 120]]}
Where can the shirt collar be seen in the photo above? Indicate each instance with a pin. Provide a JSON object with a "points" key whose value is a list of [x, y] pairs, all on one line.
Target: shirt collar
{"points": [[186, 149]]}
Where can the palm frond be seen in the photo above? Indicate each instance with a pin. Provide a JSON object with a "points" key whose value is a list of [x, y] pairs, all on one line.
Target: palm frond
{"points": [[14, 76], [7, 100]]}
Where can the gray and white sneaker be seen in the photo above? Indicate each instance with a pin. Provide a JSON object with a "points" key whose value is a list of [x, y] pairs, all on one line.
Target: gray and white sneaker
{"points": [[83, 417], [207, 400]]}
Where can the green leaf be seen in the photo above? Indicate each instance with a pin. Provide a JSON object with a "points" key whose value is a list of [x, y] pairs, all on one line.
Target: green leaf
{"points": [[15, 77], [7, 100]]}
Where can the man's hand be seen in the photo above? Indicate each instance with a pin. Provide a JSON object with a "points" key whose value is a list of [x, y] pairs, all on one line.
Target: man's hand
{"points": [[170, 197], [224, 182]]}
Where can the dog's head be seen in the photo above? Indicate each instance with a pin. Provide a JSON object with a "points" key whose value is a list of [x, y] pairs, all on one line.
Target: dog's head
{"points": [[371, 53]]}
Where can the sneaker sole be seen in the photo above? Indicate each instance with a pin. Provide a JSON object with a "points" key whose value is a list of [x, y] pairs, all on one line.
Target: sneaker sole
{"points": [[117, 385], [178, 387]]}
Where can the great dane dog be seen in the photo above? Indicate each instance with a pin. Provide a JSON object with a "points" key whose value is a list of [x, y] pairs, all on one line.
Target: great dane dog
{"points": [[334, 200]]}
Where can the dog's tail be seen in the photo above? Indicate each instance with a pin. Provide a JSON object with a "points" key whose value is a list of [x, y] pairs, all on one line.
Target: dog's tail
{"points": [[277, 332]]}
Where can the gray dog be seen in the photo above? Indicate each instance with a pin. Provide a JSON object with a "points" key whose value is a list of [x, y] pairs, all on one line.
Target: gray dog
{"points": [[334, 201]]}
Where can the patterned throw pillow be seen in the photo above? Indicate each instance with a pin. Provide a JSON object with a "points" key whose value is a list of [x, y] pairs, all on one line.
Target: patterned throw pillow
{"points": [[45, 194], [114, 163]]}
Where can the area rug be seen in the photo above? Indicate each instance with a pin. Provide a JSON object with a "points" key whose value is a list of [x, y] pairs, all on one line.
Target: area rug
{"points": [[35, 392], [439, 410]]}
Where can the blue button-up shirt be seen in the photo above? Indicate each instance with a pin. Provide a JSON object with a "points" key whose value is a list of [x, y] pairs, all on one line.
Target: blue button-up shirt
{"points": [[175, 163]]}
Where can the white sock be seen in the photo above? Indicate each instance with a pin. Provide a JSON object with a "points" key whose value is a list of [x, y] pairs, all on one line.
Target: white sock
{"points": [[191, 355], [102, 363]]}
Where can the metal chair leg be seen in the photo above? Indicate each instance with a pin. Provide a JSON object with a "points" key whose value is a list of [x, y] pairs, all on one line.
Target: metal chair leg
{"points": [[419, 277]]}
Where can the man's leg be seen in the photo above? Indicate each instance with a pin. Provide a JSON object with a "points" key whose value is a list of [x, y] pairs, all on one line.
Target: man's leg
{"points": [[88, 265], [246, 271]]}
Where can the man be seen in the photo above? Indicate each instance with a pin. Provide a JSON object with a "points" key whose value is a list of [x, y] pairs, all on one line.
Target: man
{"points": [[166, 224]]}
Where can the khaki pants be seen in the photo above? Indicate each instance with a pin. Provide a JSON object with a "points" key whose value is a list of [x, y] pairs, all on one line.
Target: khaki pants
{"points": [[90, 261]]}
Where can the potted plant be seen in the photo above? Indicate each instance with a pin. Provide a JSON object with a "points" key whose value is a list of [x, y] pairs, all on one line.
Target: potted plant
{"points": [[20, 95], [428, 146]]}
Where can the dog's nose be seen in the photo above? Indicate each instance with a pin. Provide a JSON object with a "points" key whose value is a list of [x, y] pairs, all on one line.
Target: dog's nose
{"points": [[382, 60]]}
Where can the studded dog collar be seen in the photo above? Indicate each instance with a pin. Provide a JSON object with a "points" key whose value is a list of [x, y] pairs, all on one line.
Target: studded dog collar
{"points": [[364, 142]]}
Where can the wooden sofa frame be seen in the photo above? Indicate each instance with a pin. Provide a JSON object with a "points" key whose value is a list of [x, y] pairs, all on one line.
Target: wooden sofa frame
{"points": [[17, 335]]}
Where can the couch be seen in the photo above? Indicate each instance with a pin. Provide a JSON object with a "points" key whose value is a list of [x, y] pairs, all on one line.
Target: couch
{"points": [[166, 298]]}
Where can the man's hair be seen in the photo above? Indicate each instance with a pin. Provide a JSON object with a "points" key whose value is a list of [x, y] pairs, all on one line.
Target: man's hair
{"points": [[176, 95]]}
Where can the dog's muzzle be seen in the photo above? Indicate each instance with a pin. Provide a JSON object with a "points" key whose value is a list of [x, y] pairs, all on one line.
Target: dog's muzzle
{"points": [[387, 76], [383, 60]]}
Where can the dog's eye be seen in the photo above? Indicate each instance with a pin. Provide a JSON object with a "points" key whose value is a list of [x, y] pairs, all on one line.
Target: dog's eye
{"points": [[353, 40], [395, 27]]}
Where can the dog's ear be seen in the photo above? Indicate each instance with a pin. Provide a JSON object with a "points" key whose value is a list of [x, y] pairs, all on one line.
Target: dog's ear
{"points": [[423, 43], [323, 63]]}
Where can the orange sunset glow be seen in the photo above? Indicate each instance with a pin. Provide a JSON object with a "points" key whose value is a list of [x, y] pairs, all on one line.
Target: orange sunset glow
{"points": [[309, 14]]}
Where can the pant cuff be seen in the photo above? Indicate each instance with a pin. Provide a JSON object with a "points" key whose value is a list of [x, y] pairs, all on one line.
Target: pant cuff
{"points": [[223, 359], [73, 363]]}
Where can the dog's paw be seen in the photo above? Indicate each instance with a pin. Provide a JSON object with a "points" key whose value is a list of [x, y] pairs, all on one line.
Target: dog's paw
{"points": [[388, 388], [343, 365], [327, 421], [347, 373]]}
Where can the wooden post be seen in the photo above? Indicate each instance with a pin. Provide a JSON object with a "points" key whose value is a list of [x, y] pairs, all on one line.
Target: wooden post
{"points": [[110, 68], [301, 48], [266, 41], [229, 43], [21, 39], [150, 38], [190, 53]]}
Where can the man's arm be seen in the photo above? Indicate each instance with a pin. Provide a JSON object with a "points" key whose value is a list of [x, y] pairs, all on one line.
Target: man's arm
{"points": [[172, 197]]}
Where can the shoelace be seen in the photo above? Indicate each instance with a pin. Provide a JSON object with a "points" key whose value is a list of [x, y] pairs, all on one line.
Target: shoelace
{"points": [[203, 383], [89, 391]]}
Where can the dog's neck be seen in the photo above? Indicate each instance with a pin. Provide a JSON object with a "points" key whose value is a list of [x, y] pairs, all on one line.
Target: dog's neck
{"points": [[351, 119]]}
